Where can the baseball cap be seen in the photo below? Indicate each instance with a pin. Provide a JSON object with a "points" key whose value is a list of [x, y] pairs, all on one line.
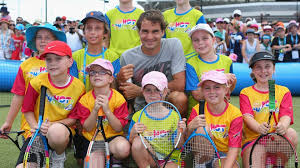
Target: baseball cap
{"points": [[267, 28], [64, 18], [215, 76], [31, 33], [226, 20], [58, 48], [292, 23], [261, 55], [94, 15], [237, 11], [219, 20], [4, 20], [103, 63], [219, 35], [254, 26], [20, 27], [209, 20], [250, 31], [201, 26], [279, 27], [158, 79]]}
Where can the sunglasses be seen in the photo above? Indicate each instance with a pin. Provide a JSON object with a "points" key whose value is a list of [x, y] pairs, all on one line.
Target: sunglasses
{"points": [[236, 15], [12, 25], [220, 22], [101, 72], [264, 25]]}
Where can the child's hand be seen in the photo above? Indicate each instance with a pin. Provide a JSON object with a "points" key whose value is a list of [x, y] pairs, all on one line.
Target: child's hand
{"points": [[280, 128], [182, 125], [138, 128], [263, 128], [102, 101], [197, 122], [230, 78], [44, 127]]}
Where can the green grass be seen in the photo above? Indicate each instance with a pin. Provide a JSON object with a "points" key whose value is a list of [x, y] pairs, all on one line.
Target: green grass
{"points": [[9, 152]]}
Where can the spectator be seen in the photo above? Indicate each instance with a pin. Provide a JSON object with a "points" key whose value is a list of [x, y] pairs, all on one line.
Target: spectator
{"points": [[237, 16], [250, 45], [74, 38], [59, 21], [221, 27], [5, 13], [12, 26], [268, 30], [293, 39], [210, 23], [279, 44], [155, 54], [266, 43], [63, 18], [18, 42], [19, 20], [180, 20], [220, 45], [235, 40], [37, 22], [6, 41], [264, 23]]}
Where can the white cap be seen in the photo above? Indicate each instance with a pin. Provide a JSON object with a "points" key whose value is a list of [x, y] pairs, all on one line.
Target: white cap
{"points": [[226, 20], [201, 26], [237, 11]]}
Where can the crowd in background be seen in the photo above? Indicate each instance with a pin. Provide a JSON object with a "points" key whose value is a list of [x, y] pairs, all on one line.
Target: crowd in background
{"points": [[234, 38]]}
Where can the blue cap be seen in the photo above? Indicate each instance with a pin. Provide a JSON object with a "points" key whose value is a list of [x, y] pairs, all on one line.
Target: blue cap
{"points": [[250, 31], [31, 33], [94, 15], [266, 36], [20, 27]]}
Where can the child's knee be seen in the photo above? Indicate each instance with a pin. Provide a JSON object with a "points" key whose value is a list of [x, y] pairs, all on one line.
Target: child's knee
{"points": [[292, 135], [123, 148], [58, 134]]}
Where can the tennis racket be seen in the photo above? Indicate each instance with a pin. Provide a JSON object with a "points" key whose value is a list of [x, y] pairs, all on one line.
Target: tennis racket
{"points": [[161, 137], [98, 149], [37, 149], [16, 140], [272, 149], [199, 150]]}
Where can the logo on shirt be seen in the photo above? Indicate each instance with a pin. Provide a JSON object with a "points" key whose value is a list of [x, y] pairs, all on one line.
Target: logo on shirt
{"points": [[155, 134], [36, 71], [219, 131], [125, 24], [63, 102], [263, 107], [179, 27]]}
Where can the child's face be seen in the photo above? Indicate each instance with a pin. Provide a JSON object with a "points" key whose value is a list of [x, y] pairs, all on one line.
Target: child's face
{"points": [[42, 38], [203, 42], [151, 93], [214, 93], [263, 70], [269, 32], [94, 31], [218, 39], [250, 36], [125, 1], [57, 65], [181, 2], [266, 41], [100, 77]]}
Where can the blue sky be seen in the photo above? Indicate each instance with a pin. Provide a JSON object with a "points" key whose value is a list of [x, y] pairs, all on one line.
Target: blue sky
{"points": [[75, 9]]}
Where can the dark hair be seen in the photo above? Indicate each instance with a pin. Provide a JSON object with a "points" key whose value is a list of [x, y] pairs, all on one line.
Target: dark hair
{"points": [[154, 16]]}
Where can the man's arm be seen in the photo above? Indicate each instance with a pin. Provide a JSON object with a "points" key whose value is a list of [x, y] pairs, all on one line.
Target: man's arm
{"points": [[178, 82]]}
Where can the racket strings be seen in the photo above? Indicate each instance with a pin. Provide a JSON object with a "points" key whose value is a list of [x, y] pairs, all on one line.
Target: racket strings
{"points": [[273, 150], [198, 151], [161, 134], [37, 153]]}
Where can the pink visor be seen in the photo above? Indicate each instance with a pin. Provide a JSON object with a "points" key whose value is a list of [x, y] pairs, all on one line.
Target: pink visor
{"points": [[215, 76]]}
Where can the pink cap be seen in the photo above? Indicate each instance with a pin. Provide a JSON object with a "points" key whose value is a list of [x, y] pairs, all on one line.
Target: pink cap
{"points": [[155, 78], [219, 20], [215, 76], [254, 26], [103, 63]]}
